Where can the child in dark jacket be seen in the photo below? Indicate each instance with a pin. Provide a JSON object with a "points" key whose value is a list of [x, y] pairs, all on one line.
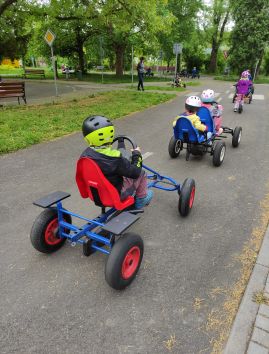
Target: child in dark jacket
{"points": [[126, 176]]}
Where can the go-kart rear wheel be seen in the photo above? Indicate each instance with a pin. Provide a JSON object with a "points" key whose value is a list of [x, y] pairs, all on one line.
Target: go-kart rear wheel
{"points": [[236, 136], [44, 233], [174, 147], [219, 153], [186, 197], [124, 261]]}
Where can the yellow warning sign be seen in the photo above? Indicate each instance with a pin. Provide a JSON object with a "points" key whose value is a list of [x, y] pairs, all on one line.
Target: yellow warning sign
{"points": [[49, 37]]}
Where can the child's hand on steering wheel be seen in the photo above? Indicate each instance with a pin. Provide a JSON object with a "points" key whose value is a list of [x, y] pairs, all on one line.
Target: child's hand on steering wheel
{"points": [[136, 149]]}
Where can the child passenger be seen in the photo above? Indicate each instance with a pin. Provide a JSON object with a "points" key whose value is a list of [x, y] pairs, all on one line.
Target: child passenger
{"points": [[208, 101], [126, 176]]}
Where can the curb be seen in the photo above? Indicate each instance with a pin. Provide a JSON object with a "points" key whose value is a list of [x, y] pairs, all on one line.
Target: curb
{"points": [[244, 326]]}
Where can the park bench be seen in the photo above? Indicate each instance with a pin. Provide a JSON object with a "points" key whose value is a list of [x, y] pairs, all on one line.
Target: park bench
{"points": [[13, 89], [31, 72]]}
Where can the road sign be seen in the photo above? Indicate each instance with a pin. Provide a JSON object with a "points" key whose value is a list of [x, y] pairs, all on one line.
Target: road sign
{"points": [[49, 37], [226, 54], [177, 48]]}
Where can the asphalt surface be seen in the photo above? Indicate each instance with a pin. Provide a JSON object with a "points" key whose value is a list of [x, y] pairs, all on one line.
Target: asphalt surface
{"points": [[60, 303]]}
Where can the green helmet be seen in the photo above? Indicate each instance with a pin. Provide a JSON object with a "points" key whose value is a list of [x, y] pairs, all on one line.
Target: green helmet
{"points": [[98, 130]]}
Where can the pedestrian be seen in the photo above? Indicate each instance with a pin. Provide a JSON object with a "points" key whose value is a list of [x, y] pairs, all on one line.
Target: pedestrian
{"points": [[140, 73]]}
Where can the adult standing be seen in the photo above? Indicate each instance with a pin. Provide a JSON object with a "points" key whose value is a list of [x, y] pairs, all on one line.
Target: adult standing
{"points": [[140, 73]]}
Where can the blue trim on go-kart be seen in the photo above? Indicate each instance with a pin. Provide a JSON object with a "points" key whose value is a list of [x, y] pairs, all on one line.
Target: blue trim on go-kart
{"points": [[156, 179]]}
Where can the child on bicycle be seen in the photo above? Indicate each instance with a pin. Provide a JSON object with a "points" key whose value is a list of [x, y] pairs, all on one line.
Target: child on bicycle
{"points": [[126, 176], [208, 101], [243, 87]]}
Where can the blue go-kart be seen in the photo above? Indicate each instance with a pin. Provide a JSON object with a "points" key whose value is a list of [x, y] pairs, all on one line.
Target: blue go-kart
{"points": [[107, 232], [196, 143]]}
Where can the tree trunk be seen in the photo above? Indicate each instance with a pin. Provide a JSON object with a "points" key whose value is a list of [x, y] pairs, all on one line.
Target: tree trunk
{"points": [[213, 58], [119, 49]]}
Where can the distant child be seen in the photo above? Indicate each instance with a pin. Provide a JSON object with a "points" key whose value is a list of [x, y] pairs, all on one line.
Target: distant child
{"points": [[243, 88], [208, 101], [192, 105]]}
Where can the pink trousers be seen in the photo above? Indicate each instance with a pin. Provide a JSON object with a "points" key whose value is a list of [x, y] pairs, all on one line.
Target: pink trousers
{"points": [[136, 187]]}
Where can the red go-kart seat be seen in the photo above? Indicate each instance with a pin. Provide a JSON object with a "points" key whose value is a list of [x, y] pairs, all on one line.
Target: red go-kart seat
{"points": [[93, 184]]}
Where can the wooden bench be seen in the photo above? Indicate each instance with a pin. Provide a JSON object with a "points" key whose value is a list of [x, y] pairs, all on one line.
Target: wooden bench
{"points": [[13, 89], [31, 72]]}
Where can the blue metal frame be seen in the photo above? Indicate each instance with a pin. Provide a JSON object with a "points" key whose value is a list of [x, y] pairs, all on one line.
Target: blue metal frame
{"points": [[83, 233], [77, 233], [157, 179]]}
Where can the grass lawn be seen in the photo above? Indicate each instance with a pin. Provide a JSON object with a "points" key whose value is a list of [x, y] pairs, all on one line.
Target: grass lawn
{"points": [[167, 87], [21, 126]]}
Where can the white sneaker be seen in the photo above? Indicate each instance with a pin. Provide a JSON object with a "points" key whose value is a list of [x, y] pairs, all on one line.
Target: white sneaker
{"points": [[235, 109]]}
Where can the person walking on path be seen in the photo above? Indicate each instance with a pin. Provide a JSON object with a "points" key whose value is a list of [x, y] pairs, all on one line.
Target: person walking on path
{"points": [[140, 72]]}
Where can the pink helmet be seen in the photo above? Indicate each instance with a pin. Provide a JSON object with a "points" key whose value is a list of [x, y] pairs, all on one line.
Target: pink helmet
{"points": [[245, 74], [208, 96]]}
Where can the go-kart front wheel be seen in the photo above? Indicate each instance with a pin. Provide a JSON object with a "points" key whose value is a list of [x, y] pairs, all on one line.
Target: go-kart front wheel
{"points": [[44, 234], [174, 147], [186, 197], [124, 261], [219, 153], [236, 136]]}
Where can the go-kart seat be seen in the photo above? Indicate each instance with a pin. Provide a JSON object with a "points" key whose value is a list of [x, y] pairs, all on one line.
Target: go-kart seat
{"points": [[206, 118], [93, 184], [185, 131]]}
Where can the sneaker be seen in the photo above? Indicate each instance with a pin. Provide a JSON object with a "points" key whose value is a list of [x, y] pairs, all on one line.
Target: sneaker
{"points": [[235, 109], [142, 202]]}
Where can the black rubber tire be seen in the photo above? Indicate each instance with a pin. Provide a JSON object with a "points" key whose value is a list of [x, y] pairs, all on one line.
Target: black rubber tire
{"points": [[39, 227], [113, 268], [174, 147], [240, 109], [250, 98], [218, 154], [234, 97], [236, 136], [186, 197]]}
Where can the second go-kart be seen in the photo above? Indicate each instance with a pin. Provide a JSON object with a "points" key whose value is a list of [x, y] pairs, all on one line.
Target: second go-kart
{"points": [[105, 233], [187, 137]]}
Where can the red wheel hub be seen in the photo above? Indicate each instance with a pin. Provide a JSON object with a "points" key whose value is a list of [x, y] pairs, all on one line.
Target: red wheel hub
{"points": [[51, 233], [130, 262], [192, 197]]}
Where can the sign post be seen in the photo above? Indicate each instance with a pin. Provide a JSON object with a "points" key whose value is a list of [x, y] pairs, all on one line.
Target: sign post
{"points": [[177, 49], [49, 38], [132, 65]]}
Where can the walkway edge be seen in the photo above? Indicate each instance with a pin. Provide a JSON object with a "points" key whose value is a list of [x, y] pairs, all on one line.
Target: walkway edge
{"points": [[244, 321]]}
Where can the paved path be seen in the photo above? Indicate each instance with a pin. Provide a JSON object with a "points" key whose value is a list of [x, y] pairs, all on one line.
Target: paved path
{"points": [[61, 303]]}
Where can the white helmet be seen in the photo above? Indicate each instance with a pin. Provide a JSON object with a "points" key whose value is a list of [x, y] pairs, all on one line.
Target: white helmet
{"points": [[193, 101], [208, 96]]}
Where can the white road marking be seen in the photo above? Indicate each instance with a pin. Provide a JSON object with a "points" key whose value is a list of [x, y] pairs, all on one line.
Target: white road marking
{"points": [[146, 155], [193, 94], [255, 97], [227, 92], [258, 97], [220, 99]]}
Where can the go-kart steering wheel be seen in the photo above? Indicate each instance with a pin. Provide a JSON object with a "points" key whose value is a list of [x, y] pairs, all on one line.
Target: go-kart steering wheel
{"points": [[121, 145]]}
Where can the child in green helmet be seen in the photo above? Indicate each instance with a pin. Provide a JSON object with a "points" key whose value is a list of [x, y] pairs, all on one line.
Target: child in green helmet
{"points": [[126, 176]]}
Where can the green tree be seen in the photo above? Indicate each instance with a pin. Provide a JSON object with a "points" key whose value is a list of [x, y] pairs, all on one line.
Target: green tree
{"points": [[250, 35]]}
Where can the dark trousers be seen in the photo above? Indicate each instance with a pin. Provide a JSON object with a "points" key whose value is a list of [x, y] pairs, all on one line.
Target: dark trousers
{"points": [[140, 81]]}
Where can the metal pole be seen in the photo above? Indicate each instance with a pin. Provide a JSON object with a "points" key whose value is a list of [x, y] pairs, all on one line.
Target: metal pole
{"points": [[54, 71], [176, 67], [256, 67], [132, 65]]}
